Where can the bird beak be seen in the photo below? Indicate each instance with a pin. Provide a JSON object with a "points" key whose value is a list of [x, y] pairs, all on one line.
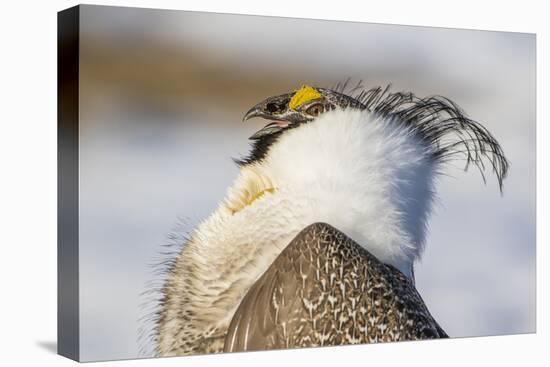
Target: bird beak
{"points": [[255, 111], [272, 108]]}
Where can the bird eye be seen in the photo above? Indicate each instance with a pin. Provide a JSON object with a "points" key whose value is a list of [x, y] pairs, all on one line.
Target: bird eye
{"points": [[315, 110], [274, 107]]}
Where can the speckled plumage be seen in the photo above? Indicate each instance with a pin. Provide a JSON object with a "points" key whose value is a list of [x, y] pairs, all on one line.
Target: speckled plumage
{"points": [[325, 289]]}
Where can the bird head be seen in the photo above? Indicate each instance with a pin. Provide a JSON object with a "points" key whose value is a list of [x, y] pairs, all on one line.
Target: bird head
{"points": [[301, 106]]}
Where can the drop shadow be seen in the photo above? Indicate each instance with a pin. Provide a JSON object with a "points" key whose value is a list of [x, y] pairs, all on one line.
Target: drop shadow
{"points": [[50, 346]]}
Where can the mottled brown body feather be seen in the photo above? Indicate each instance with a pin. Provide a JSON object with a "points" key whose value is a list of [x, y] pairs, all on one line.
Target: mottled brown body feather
{"points": [[325, 289]]}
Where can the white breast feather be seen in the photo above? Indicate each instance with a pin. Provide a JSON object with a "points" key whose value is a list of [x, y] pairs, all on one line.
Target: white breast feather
{"points": [[371, 179]]}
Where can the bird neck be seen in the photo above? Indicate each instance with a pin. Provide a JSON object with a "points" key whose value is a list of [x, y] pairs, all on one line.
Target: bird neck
{"points": [[368, 177]]}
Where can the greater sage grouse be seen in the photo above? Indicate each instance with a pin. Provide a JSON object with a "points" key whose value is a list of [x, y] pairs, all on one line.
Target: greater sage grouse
{"points": [[316, 240]]}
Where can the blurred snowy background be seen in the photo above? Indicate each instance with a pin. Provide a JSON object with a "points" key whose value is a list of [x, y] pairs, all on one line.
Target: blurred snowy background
{"points": [[162, 96]]}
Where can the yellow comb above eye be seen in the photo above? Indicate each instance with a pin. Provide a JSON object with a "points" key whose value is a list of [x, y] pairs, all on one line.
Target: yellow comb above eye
{"points": [[302, 95]]}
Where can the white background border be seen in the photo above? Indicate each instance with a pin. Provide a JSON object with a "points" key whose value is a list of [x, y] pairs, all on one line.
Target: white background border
{"points": [[28, 181]]}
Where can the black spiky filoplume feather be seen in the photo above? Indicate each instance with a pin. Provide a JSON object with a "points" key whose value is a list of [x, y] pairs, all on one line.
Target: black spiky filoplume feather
{"points": [[437, 120]]}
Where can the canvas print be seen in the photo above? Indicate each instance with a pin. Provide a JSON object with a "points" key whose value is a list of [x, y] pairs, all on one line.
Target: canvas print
{"points": [[234, 183]]}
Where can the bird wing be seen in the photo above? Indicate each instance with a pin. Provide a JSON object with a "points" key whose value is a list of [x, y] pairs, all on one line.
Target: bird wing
{"points": [[325, 289]]}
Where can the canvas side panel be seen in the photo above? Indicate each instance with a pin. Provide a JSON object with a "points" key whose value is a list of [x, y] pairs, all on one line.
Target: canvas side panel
{"points": [[67, 170]]}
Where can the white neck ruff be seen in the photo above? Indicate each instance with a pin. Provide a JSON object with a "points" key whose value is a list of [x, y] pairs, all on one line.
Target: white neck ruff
{"points": [[370, 178]]}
